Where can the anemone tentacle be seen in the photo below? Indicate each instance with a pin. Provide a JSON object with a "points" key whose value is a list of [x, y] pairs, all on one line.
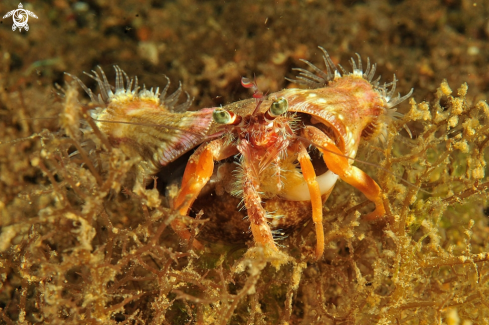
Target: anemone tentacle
{"points": [[125, 86], [318, 79]]}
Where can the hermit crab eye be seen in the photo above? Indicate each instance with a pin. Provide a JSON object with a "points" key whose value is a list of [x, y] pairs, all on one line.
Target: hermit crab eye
{"points": [[222, 116], [279, 107]]}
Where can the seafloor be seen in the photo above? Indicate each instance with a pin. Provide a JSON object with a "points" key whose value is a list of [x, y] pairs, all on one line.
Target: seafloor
{"points": [[77, 249]]}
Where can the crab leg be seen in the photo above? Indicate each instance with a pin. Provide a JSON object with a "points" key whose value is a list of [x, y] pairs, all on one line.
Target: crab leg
{"points": [[262, 234], [337, 162], [197, 173], [316, 201]]}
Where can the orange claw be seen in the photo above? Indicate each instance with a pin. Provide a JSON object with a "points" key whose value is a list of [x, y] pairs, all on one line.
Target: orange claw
{"points": [[340, 165], [197, 173], [316, 202]]}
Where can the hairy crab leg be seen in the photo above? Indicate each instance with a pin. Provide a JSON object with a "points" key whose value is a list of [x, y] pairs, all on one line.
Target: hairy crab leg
{"points": [[337, 162], [316, 201], [262, 234]]}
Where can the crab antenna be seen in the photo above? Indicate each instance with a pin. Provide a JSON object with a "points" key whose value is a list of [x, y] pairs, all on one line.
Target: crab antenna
{"points": [[257, 94]]}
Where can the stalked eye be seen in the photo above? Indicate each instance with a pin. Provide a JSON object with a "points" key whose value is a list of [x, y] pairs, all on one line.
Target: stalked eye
{"points": [[279, 107], [221, 116]]}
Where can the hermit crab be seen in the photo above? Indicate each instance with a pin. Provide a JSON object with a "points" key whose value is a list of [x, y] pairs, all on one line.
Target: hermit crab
{"points": [[262, 157]]}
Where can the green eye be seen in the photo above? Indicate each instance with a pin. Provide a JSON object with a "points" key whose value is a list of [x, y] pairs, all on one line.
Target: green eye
{"points": [[221, 116], [279, 107]]}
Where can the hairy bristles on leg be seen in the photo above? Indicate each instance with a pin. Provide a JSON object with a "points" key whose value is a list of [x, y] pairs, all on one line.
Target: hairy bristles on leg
{"points": [[278, 235]]}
